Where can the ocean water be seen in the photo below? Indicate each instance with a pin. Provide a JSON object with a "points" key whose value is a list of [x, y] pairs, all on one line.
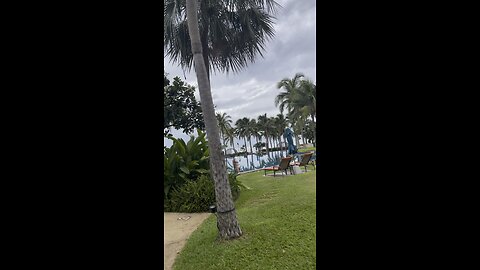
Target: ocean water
{"points": [[256, 161]]}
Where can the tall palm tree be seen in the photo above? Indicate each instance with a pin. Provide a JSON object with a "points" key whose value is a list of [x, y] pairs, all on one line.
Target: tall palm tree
{"points": [[241, 126], [299, 98], [295, 126], [283, 100], [233, 33], [304, 101], [227, 222], [224, 123], [273, 131], [264, 126], [281, 124], [258, 132], [231, 136], [309, 130], [251, 131]]}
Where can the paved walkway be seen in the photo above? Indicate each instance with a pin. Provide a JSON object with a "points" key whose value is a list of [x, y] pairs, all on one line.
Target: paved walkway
{"points": [[177, 229]]}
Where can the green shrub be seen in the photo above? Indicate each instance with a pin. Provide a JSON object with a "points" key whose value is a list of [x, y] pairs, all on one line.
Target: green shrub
{"points": [[184, 161], [192, 197], [197, 196]]}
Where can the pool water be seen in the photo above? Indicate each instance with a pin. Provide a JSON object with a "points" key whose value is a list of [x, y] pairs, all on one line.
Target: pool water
{"points": [[255, 161]]}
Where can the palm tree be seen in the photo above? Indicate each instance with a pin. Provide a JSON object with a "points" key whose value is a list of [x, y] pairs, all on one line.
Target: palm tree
{"points": [[304, 101], [227, 222], [299, 98], [290, 86], [263, 125], [250, 130], [233, 33], [281, 124], [272, 131], [231, 136], [309, 130], [224, 123], [241, 125], [295, 126]]}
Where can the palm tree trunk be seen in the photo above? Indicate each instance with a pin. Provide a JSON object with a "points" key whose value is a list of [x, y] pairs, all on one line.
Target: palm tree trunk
{"points": [[245, 141], [251, 149], [258, 141], [205, 49], [281, 146], [204, 41], [303, 137], [227, 222], [266, 141], [223, 150], [250, 141]]}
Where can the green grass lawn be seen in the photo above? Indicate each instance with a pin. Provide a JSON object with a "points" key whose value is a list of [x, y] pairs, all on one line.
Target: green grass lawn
{"points": [[305, 149], [277, 217]]}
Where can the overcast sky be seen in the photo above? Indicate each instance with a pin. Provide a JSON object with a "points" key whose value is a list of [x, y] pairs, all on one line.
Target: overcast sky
{"points": [[252, 91]]}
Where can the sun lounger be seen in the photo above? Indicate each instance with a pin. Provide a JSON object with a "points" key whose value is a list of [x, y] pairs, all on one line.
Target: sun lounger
{"points": [[282, 167]]}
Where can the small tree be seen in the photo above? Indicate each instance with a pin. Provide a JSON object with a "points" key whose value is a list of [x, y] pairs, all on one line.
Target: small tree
{"points": [[181, 110]]}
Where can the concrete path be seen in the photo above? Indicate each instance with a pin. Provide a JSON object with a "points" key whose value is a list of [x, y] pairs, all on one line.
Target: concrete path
{"points": [[177, 229]]}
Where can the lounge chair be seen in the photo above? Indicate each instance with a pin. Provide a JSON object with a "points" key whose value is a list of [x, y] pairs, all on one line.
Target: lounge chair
{"points": [[304, 161], [283, 166]]}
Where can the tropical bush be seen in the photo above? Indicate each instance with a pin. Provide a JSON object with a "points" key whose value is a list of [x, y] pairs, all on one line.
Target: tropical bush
{"points": [[184, 161], [193, 196], [197, 196]]}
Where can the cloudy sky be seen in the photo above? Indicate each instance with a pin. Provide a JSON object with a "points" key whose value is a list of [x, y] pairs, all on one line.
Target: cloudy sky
{"points": [[251, 92]]}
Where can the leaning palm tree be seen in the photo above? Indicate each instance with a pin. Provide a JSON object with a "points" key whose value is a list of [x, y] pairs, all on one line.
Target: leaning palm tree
{"points": [[227, 222], [233, 33]]}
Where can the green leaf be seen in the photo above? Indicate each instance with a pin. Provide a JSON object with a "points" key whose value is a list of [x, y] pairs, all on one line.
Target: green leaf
{"points": [[185, 170], [202, 170]]}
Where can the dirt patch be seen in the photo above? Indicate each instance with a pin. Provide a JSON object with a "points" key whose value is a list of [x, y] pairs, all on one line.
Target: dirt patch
{"points": [[177, 229]]}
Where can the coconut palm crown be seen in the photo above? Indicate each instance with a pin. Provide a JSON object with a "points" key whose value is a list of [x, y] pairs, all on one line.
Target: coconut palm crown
{"points": [[233, 32]]}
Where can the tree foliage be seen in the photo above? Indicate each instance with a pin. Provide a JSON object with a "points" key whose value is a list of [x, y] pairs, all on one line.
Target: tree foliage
{"points": [[181, 109], [299, 98], [184, 161], [233, 33]]}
